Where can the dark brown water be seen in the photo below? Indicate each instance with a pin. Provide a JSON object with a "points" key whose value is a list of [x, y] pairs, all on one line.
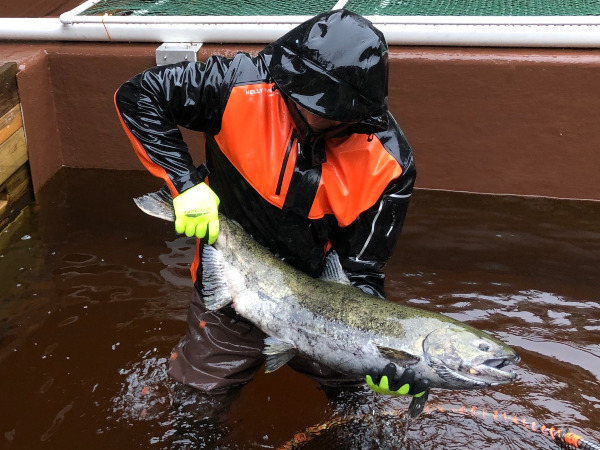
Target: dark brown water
{"points": [[93, 296]]}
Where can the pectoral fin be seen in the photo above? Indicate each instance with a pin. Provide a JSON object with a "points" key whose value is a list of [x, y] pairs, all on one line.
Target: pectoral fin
{"points": [[398, 356], [215, 292], [278, 353]]}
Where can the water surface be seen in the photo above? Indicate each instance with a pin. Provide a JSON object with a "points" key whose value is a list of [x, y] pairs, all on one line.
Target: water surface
{"points": [[93, 296]]}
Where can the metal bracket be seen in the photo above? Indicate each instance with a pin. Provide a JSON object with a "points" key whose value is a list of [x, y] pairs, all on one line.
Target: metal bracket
{"points": [[174, 52]]}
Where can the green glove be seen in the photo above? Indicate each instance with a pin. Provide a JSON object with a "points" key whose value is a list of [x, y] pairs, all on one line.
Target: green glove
{"points": [[387, 382], [196, 212]]}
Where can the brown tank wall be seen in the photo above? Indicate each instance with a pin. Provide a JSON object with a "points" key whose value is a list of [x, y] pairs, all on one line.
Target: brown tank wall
{"points": [[36, 8], [44, 143], [501, 120], [508, 121]]}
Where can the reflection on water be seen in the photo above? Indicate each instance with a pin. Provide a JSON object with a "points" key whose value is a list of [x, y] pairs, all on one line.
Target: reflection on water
{"points": [[93, 296]]}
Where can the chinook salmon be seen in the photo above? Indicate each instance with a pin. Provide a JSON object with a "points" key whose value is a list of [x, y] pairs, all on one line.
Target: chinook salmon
{"points": [[336, 324]]}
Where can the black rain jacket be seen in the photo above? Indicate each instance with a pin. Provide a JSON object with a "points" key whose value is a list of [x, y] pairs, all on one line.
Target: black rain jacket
{"points": [[298, 193]]}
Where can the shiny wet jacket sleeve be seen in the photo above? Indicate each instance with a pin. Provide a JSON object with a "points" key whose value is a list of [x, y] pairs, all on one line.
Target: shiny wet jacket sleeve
{"points": [[155, 102], [366, 245]]}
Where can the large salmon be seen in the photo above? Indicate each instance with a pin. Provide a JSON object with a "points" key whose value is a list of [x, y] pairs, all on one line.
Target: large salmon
{"points": [[335, 323]]}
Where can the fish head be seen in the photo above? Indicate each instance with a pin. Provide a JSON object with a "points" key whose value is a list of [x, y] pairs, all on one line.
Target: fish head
{"points": [[466, 358]]}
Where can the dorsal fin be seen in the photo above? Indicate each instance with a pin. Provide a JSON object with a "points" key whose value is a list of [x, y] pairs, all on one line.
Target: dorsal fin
{"points": [[333, 270]]}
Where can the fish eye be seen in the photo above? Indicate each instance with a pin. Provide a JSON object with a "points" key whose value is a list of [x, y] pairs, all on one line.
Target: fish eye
{"points": [[484, 346]]}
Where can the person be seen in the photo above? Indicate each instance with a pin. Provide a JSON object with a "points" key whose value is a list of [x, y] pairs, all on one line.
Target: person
{"points": [[302, 151]]}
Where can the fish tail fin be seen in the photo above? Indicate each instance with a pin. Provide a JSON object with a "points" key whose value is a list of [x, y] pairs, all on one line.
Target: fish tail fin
{"points": [[215, 292], [157, 204]]}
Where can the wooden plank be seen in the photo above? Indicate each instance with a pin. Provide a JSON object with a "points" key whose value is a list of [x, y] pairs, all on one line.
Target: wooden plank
{"points": [[13, 154], [10, 122], [14, 189], [15, 227], [9, 96]]}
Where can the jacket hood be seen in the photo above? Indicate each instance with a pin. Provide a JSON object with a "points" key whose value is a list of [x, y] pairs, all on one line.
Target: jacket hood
{"points": [[334, 65]]}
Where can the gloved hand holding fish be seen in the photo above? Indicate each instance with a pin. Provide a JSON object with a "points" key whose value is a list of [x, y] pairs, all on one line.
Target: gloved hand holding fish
{"points": [[336, 324]]}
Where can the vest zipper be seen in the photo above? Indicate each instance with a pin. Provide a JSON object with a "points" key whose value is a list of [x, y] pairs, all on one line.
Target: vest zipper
{"points": [[285, 161]]}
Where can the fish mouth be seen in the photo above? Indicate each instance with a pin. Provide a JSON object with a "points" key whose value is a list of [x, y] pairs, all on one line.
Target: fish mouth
{"points": [[498, 363], [490, 370], [486, 374]]}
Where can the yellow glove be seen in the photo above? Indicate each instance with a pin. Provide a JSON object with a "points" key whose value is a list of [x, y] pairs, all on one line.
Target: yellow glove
{"points": [[196, 212], [387, 382]]}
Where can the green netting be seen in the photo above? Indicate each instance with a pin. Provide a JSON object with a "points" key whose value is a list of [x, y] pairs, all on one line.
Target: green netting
{"points": [[475, 7], [209, 7], [364, 7]]}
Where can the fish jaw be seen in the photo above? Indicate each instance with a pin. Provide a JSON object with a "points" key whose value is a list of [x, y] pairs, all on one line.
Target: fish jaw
{"points": [[464, 359], [490, 370], [478, 377]]}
